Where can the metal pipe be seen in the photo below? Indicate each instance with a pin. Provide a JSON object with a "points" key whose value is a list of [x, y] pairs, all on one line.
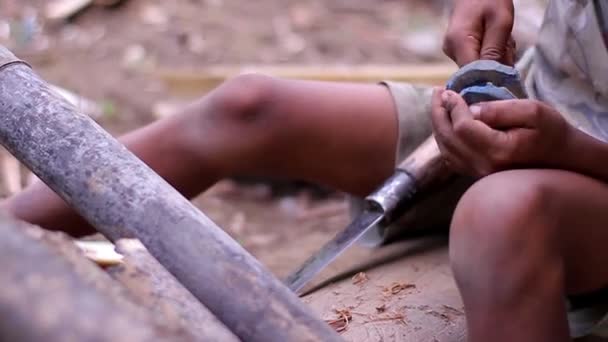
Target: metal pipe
{"points": [[122, 197]]}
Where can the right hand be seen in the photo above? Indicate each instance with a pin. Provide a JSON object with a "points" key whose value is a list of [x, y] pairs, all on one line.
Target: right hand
{"points": [[480, 29]]}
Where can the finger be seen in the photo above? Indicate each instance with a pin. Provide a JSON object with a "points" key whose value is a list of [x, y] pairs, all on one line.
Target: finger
{"points": [[510, 55], [457, 165], [470, 132], [462, 41], [441, 122], [457, 108], [509, 113], [453, 150], [442, 125], [461, 160], [439, 116], [498, 27], [480, 137], [462, 45]]}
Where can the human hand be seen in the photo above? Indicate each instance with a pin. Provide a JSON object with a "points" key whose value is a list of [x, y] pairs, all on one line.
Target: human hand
{"points": [[498, 135], [480, 29]]}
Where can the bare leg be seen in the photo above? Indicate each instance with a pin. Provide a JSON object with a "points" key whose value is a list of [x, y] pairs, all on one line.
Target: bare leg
{"points": [[522, 240], [340, 135]]}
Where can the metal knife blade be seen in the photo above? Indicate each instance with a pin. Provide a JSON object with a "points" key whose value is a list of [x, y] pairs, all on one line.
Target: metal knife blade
{"points": [[344, 239]]}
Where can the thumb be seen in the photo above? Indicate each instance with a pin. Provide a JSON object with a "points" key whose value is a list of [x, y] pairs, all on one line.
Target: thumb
{"points": [[507, 114], [496, 39]]}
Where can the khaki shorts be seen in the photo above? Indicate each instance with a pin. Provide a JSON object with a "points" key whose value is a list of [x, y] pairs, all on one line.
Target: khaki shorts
{"points": [[433, 212]]}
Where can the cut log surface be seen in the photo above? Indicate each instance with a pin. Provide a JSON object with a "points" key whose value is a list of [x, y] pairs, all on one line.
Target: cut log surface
{"points": [[158, 291], [411, 299], [50, 292]]}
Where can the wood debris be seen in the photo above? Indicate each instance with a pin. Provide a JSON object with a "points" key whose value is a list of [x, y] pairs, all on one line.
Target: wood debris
{"points": [[66, 9], [453, 310], [395, 288], [360, 278], [100, 252], [340, 323], [10, 170], [394, 317]]}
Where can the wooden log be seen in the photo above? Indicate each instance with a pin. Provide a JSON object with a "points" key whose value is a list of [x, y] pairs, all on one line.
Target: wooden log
{"points": [[46, 296], [197, 81], [122, 197], [158, 291]]}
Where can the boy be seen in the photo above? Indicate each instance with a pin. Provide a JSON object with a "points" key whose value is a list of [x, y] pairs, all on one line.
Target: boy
{"points": [[526, 235]]}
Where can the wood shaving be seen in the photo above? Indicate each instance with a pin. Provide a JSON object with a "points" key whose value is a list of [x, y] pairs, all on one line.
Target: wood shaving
{"points": [[360, 278], [453, 310], [395, 317], [340, 323], [395, 288]]}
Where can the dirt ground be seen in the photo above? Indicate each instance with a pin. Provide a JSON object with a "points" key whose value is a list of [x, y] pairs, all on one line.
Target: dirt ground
{"points": [[108, 55]]}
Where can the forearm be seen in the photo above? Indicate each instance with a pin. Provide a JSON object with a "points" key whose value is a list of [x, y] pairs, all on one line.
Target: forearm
{"points": [[586, 155]]}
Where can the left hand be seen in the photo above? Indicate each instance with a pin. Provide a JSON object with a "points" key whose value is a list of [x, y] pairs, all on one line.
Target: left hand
{"points": [[498, 135]]}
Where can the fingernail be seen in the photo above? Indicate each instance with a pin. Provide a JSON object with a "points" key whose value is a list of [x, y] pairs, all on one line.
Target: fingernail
{"points": [[445, 96], [476, 111]]}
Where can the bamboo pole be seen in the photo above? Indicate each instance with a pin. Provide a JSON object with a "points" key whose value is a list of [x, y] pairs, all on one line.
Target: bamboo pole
{"points": [[158, 291], [198, 81], [122, 197], [52, 295]]}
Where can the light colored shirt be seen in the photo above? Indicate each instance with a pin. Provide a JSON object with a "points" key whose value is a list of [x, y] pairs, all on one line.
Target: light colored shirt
{"points": [[569, 68]]}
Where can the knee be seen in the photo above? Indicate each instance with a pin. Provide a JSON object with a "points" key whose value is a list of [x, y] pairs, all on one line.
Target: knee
{"points": [[502, 219], [236, 126], [242, 100]]}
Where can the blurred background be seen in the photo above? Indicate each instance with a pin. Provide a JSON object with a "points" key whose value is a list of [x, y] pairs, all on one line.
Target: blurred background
{"points": [[129, 62]]}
